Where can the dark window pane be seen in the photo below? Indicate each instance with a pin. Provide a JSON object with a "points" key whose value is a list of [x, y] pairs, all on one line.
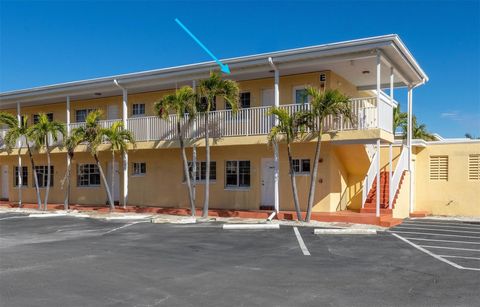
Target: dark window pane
{"points": [[306, 165], [245, 100]]}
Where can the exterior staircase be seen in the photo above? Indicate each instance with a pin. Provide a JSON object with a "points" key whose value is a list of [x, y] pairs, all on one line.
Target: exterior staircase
{"points": [[370, 203]]}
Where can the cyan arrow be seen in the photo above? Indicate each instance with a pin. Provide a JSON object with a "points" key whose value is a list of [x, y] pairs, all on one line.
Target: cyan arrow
{"points": [[223, 67]]}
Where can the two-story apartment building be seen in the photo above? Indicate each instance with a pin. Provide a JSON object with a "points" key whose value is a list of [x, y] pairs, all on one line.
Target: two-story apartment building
{"points": [[246, 172]]}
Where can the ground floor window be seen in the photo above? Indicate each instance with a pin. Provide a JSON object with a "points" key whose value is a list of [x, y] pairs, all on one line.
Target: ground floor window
{"points": [[42, 175], [139, 168], [237, 174], [201, 170], [24, 176], [301, 166], [88, 175]]}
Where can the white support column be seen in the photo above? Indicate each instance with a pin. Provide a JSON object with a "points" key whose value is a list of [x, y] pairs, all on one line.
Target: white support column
{"points": [[275, 147], [409, 145], [392, 79], [377, 205], [379, 80], [19, 173], [125, 154], [68, 135], [390, 175]]}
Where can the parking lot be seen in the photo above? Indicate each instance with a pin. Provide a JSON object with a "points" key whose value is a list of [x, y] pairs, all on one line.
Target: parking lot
{"points": [[71, 261]]}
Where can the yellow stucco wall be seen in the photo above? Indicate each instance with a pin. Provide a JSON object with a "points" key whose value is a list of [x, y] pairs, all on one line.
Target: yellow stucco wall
{"points": [[456, 196]]}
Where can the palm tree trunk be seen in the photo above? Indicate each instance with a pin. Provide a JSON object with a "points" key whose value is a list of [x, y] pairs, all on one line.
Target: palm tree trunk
{"points": [[104, 179], [20, 175], [313, 177], [293, 183], [35, 178], [207, 171], [47, 189], [112, 175], [66, 202], [185, 169]]}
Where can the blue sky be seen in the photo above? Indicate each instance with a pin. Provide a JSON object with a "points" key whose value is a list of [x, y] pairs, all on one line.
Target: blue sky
{"points": [[51, 42]]}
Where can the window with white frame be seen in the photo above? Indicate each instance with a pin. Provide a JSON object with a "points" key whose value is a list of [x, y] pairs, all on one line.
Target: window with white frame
{"points": [[37, 116], [81, 115], [237, 174], [42, 175], [88, 175], [301, 166], [300, 94], [138, 109], [139, 168], [24, 176], [201, 170]]}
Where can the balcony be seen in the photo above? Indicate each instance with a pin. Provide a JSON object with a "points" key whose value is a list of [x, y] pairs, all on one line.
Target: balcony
{"points": [[252, 121]]}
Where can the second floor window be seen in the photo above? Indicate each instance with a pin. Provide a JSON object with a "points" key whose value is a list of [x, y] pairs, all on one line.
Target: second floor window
{"points": [[24, 176], [36, 116], [243, 101], [202, 105], [88, 175], [42, 175], [81, 115], [138, 109], [300, 95], [201, 170]]}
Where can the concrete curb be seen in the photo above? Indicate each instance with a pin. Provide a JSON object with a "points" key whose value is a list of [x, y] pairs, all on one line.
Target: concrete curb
{"points": [[47, 214], [187, 220], [127, 217], [251, 226], [345, 231]]}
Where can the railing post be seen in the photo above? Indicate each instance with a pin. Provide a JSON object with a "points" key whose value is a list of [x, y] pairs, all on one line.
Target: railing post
{"points": [[379, 80], [377, 206]]}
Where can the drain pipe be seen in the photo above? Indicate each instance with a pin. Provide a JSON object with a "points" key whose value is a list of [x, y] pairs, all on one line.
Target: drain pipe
{"points": [[275, 146]]}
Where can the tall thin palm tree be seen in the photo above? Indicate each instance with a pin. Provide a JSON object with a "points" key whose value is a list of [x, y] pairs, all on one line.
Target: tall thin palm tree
{"points": [[289, 128], [92, 135], [323, 104], [40, 133], [70, 144], [419, 131], [211, 88], [18, 131], [183, 105], [118, 137]]}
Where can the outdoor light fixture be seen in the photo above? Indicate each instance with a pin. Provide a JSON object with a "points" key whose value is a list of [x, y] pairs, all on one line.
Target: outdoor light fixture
{"points": [[366, 72]]}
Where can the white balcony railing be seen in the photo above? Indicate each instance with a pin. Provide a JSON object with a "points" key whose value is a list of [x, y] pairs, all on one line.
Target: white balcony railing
{"points": [[251, 121]]}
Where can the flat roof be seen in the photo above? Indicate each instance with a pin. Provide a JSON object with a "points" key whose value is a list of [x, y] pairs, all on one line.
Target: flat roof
{"points": [[347, 58]]}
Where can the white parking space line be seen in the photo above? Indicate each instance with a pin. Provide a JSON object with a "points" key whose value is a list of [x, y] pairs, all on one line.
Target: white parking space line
{"points": [[301, 243], [439, 226], [461, 257], [123, 226], [13, 217], [437, 240], [441, 223], [454, 248], [434, 234], [433, 229]]}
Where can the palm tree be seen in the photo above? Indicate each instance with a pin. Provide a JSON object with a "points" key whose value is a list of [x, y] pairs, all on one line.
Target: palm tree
{"points": [[211, 88], [92, 135], [182, 103], [419, 131], [289, 126], [323, 104], [399, 119], [118, 137], [40, 133], [15, 132], [70, 144]]}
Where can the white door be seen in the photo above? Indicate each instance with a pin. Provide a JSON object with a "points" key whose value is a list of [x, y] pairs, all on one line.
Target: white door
{"points": [[268, 187], [4, 170], [113, 112], [268, 97], [116, 181]]}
